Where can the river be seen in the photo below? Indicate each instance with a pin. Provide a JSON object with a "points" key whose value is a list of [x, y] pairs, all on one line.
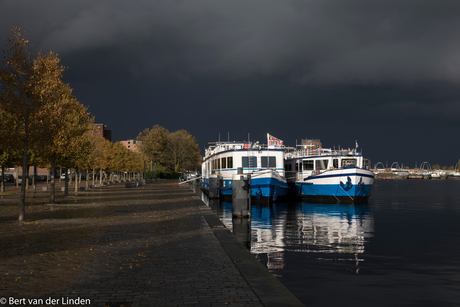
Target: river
{"points": [[401, 249]]}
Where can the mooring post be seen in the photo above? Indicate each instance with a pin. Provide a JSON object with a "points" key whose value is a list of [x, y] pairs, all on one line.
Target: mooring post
{"points": [[214, 186], [241, 194]]}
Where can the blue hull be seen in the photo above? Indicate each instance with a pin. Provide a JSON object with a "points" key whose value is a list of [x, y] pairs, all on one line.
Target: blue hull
{"points": [[348, 185], [260, 188], [332, 190]]}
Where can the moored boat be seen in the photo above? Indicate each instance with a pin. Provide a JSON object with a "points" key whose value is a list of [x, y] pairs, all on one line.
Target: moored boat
{"points": [[263, 162], [328, 175]]}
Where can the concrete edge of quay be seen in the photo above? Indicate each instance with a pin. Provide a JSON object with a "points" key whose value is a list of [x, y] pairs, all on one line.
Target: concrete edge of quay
{"points": [[267, 287]]}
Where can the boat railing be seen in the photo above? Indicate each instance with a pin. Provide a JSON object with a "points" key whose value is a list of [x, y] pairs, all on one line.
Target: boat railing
{"points": [[228, 146], [306, 151]]}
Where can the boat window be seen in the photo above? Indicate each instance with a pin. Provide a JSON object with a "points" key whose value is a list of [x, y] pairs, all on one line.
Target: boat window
{"points": [[230, 162], [271, 161], [321, 164], [224, 163], [297, 167], [367, 163], [347, 162], [335, 163], [216, 164], [250, 162], [308, 165]]}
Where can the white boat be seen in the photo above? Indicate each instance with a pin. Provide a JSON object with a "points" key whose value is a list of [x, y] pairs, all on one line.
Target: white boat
{"points": [[265, 164], [329, 175]]}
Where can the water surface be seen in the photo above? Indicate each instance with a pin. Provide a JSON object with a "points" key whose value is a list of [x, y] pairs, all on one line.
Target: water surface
{"points": [[401, 249]]}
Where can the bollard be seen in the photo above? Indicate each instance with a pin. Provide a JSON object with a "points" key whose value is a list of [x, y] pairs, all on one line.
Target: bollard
{"points": [[214, 186], [241, 195]]}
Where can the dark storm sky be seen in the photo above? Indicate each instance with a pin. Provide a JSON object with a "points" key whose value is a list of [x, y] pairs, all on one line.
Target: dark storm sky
{"points": [[385, 73]]}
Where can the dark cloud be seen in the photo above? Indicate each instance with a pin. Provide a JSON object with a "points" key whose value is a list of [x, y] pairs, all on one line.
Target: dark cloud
{"points": [[385, 72]]}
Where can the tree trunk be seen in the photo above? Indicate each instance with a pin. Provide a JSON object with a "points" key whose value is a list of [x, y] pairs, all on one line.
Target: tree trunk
{"points": [[94, 175], [33, 180], [53, 171], [3, 179], [66, 182], [22, 198], [76, 180]]}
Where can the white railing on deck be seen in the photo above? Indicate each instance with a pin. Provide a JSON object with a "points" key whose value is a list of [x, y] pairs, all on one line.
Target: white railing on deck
{"points": [[310, 152], [226, 146]]}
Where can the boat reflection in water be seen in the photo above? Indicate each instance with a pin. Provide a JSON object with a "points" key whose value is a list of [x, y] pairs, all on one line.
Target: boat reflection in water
{"points": [[332, 232]]}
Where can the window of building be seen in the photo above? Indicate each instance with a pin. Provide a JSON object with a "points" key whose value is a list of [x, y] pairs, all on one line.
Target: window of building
{"points": [[308, 165]]}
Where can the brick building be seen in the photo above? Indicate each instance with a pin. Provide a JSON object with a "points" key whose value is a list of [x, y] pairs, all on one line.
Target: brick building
{"points": [[315, 143], [130, 144], [100, 129]]}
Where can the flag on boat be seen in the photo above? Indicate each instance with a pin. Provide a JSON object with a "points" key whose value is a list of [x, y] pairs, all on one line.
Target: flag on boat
{"points": [[274, 141], [356, 143]]}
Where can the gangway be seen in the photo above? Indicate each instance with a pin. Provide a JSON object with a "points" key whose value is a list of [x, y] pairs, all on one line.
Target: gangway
{"points": [[190, 180]]}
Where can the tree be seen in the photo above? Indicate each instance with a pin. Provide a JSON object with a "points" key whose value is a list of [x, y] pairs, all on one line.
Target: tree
{"points": [[8, 151], [152, 143], [49, 121], [182, 151], [20, 80]]}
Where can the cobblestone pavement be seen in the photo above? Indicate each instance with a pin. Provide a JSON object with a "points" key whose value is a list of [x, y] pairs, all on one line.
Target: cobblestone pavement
{"points": [[157, 245]]}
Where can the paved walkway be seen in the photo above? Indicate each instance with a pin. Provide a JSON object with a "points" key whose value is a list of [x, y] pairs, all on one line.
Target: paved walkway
{"points": [[157, 245]]}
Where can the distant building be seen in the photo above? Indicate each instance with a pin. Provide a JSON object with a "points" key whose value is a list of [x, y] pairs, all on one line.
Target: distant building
{"points": [[130, 144], [314, 143], [100, 129]]}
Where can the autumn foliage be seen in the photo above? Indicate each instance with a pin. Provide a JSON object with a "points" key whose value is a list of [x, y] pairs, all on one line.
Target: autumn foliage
{"points": [[43, 124]]}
